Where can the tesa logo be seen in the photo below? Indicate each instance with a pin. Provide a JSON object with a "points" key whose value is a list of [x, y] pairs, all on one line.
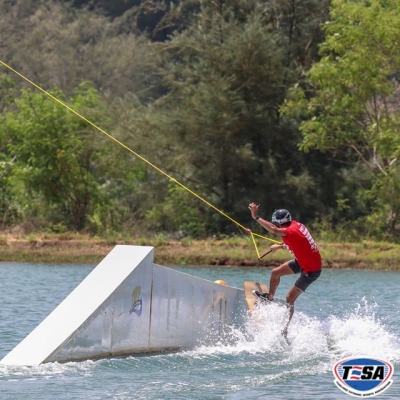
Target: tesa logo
{"points": [[363, 377]]}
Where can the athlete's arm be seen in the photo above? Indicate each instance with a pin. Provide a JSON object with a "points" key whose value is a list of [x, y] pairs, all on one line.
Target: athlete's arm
{"points": [[264, 223], [271, 227]]}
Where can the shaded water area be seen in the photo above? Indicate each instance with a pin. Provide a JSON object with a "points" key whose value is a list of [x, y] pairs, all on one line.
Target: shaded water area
{"points": [[345, 313]]}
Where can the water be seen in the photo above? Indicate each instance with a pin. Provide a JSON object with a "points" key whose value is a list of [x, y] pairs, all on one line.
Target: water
{"points": [[344, 314]]}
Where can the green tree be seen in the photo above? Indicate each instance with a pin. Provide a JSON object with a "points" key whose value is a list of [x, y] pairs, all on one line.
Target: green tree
{"points": [[58, 46], [217, 126], [350, 105], [58, 159]]}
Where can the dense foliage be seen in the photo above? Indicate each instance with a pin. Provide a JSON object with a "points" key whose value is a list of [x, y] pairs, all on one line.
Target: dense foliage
{"points": [[351, 105], [287, 103]]}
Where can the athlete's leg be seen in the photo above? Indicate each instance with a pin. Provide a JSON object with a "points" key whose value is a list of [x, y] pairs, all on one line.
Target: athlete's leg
{"points": [[275, 279], [296, 290], [291, 297]]}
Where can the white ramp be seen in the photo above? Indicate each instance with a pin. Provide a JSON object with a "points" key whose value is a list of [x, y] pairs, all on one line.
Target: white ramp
{"points": [[83, 302], [128, 305]]}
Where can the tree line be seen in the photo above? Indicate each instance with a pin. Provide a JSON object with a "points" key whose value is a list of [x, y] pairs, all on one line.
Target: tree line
{"points": [[286, 103]]}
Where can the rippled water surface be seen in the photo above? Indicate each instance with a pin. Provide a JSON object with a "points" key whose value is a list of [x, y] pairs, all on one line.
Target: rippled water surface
{"points": [[345, 313]]}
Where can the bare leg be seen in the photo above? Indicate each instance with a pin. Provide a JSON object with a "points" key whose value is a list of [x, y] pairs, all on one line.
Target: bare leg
{"points": [[276, 274], [291, 297]]}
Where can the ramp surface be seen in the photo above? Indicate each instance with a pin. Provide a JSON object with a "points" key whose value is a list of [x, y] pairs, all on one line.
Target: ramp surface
{"points": [[90, 300], [129, 305]]}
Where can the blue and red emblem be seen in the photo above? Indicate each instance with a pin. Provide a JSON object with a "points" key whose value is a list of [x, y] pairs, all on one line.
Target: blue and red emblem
{"points": [[363, 377]]}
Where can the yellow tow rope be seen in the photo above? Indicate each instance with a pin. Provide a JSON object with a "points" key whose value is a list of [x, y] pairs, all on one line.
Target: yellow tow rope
{"points": [[143, 159]]}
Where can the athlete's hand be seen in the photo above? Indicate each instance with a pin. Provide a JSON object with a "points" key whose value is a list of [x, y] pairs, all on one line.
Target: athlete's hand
{"points": [[275, 247], [253, 207]]}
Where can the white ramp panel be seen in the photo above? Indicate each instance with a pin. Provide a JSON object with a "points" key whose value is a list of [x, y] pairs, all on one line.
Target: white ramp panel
{"points": [[119, 326], [128, 305], [83, 325], [186, 308]]}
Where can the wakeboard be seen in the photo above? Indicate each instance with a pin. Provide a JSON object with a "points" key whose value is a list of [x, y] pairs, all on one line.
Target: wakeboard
{"points": [[252, 301]]}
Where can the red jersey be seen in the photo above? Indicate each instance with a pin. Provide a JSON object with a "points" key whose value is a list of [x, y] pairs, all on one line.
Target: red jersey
{"points": [[302, 245]]}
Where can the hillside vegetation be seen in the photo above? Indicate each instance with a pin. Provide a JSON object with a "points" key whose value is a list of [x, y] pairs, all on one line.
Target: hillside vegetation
{"points": [[188, 110]]}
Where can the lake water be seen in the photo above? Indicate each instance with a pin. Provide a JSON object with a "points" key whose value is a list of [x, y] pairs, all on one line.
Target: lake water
{"points": [[346, 313]]}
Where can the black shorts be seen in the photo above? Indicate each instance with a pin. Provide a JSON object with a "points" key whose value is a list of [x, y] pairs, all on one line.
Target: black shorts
{"points": [[306, 279]]}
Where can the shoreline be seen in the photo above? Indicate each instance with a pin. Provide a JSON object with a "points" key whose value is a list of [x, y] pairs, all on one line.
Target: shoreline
{"points": [[231, 252]]}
